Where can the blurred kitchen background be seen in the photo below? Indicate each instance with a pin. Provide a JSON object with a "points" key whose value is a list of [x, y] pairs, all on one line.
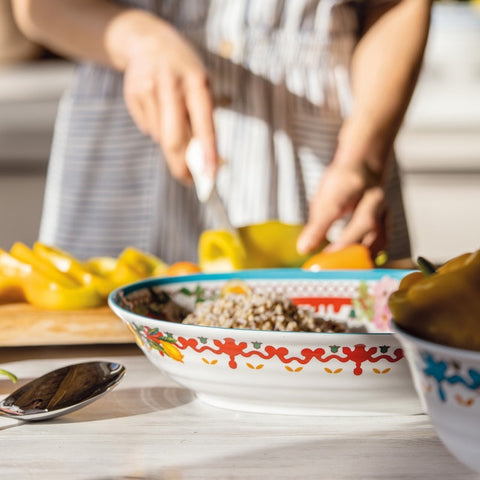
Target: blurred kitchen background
{"points": [[438, 146]]}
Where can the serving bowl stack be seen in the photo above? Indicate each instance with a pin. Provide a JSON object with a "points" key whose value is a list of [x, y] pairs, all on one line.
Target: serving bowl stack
{"points": [[360, 372]]}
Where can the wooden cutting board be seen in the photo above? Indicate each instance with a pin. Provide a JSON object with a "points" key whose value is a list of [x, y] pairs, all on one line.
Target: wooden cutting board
{"points": [[22, 324]]}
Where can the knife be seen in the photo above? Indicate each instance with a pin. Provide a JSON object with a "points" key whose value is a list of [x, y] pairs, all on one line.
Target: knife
{"points": [[206, 186]]}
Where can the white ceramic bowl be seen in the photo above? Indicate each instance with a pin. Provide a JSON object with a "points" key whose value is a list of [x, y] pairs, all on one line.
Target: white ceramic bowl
{"points": [[272, 371], [447, 381]]}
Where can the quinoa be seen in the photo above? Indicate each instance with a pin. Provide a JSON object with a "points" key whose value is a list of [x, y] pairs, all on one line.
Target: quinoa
{"points": [[260, 311]]}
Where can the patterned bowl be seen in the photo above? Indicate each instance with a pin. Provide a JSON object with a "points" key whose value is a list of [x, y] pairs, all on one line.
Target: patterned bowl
{"points": [[273, 371], [447, 381]]}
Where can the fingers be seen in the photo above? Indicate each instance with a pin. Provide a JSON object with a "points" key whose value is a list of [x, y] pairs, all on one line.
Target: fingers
{"points": [[167, 93], [344, 192], [172, 109], [148, 104], [174, 128], [200, 111], [135, 89], [315, 232], [336, 195], [366, 222]]}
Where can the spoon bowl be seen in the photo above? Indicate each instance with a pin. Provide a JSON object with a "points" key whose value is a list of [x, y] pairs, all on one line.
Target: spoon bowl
{"points": [[62, 391]]}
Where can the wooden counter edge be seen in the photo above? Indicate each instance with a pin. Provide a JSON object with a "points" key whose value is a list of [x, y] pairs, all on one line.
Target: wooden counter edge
{"points": [[22, 324]]}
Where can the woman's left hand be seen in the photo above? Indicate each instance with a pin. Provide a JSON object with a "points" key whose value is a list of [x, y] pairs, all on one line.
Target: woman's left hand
{"points": [[350, 187]]}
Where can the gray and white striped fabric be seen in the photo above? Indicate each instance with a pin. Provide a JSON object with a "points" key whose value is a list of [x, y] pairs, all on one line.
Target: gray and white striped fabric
{"points": [[279, 74]]}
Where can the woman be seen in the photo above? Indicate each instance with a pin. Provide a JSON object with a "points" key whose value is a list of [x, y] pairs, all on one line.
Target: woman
{"points": [[302, 98]]}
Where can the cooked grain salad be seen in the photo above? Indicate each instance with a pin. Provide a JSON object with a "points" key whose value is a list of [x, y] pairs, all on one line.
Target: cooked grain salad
{"points": [[259, 311]]}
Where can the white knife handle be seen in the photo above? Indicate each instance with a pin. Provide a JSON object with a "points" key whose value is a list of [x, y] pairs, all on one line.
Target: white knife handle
{"points": [[195, 158]]}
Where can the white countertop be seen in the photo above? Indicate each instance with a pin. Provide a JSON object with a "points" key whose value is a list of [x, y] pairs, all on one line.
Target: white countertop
{"points": [[150, 428]]}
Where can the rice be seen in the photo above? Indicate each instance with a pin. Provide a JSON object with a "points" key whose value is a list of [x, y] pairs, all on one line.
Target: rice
{"points": [[260, 311]]}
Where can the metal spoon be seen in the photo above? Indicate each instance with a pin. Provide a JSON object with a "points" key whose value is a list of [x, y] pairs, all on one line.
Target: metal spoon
{"points": [[62, 391]]}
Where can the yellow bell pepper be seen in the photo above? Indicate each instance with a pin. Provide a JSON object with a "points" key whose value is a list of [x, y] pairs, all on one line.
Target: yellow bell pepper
{"points": [[75, 269], [43, 292], [220, 251], [101, 266], [45, 286], [12, 272], [42, 266], [133, 265], [272, 244], [63, 261], [442, 306], [51, 278]]}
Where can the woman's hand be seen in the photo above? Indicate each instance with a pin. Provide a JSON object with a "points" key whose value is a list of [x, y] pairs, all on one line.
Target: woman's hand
{"points": [[166, 85], [351, 187], [167, 93], [384, 70], [350, 191]]}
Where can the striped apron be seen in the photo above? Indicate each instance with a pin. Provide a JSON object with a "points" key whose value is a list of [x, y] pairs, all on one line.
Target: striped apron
{"points": [[279, 72]]}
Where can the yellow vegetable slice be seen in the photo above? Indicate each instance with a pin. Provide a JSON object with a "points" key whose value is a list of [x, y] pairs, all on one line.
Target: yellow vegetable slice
{"points": [[220, 251], [21, 252], [64, 262], [51, 278], [45, 293], [45, 286], [101, 266], [12, 272], [272, 244], [134, 265], [236, 286]]}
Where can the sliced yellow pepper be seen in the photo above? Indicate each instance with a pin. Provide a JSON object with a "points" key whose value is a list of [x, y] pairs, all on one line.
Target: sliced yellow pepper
{"points": [[13, 268], [133, 265], [101, 266], [71, 266], [265, 245], [141, 262], [220, 251], [63, 261], [45, 286], [12, 272], [51, 278], [41, 265], [43, 292], [272, 244]]}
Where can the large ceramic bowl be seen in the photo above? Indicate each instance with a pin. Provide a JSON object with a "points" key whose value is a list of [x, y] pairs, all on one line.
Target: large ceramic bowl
{"points": [[447, 381], [273, 371]]}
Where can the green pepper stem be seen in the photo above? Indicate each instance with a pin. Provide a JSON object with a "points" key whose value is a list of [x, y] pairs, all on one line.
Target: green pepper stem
{"points": [[10, 375], [426, 267]]}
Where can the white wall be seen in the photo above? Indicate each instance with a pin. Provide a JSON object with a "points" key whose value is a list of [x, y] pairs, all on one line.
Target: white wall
{"points": [[29, 95], [439, 146]]}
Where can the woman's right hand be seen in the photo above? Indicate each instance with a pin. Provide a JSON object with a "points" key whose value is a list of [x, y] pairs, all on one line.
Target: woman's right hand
{"points": [[166, 85], [167, 92]]}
